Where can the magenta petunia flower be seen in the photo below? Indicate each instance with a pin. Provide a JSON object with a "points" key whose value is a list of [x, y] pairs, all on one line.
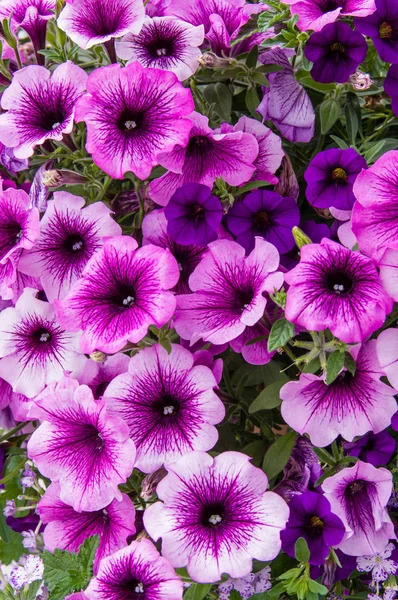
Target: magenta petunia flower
{"points": [[229, 291], [164, 43], [133, 114], [90, 22], [334, 288], [99, 375], [81, 446], [67, 529], [121, 292], [34, 350], [169, 405], [207, 156], [388, 268], [40, 106], [387, 352], [350, 406], [315, 14], [69, 236], [216, 516], [137, 571], [359, 495], [254, 353]]}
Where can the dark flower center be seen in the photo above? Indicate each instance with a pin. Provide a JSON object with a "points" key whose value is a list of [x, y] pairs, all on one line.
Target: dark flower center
{"points": [[10, 234], [244, 298], [161, 47], [105, 516], [339, 283], [358, 500], [42, 335], [328, 5], [52, 119], [338, 174], [212, 515], [198, 212], [130, 121], [74, 243], [99, 390], [315, 526], [338, 47], [261, 219], [198, 144], [355, 487], [345, 377], [124, 296], [131, 589], [168, 406], [386, 31]]}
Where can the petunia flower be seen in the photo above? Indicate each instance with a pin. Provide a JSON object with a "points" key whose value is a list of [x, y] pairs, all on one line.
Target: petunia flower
{"points": [[301, 472], [168, 403], [67, 529], [350, 406], [391, 86], [315, 14], [382, 27], [379, 564], [34, 350], [334, 288], [207, 156], [336, 52], [136, 571], [69, 236], [216, 516], [254, 352], [387, 353], [164, 43], [122, 291], [330, 177], [138, 112], [229, 291], [81, 446], [40, 106], [99, 375], [374, 448], [359, 495]]}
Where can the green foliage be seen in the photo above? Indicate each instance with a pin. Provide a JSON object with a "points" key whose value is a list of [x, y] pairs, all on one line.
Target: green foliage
{"points": [[269, 398], [334, 365], [278, 454], [281, 332], [197, 591]]}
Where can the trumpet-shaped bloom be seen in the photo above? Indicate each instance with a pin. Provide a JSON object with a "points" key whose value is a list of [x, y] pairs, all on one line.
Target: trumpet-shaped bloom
{"points": [[315, 14], [382, 27]]}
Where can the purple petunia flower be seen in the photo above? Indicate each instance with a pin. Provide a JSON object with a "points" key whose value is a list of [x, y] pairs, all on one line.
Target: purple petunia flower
{"points": [[164, 43], [229, 291], [312, 519], [216, 516], [334, 288], [40, 106], [133, 114], [67, 529], [374, 448], [169, 405], [336, 52], [330, 177], [121, 292], [90, 22], [35, 351], [80, 445], [134, 572], [301, 472], [315, 14], [359, 495], [99, 375], [207, 156], [391, 86], [351, 405], [265, 214], [382, 27], [387, 353], [69, 236], [154, 231], [193, 215], [254, 353]]}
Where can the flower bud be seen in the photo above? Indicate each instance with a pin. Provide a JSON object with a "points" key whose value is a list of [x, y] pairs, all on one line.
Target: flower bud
{"points": [[98, 356], [360, 81], [300, 237], [56, 177], [212, 61]]}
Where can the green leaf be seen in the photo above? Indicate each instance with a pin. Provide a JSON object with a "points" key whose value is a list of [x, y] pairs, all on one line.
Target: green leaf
{"points": [[278, 454], [197, 591], [252, 185], [33, 588], [313, 366], [4, 529], [281, 332], [334, 365], [219, 94], [341, 143], [235, 595], [350, 363], [329, 112], [260, 78], [86, 555], [374, 151], [252, 102], [301, 550], [316, 587], [252, 57], [166, 344], [351, 122], [268, 398]]}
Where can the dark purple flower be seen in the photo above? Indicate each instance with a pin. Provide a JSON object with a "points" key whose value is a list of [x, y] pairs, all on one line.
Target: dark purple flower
{"points": [[266, 214], [336, 52], [382, 27], [312, 519], [374, 448], [330, 177], [20, 524], [193, 215], [301, 472], [391, 86]]}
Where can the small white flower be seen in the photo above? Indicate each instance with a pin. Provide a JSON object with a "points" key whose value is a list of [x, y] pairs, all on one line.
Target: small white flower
{"points": [[379, 564], [29, 540]]}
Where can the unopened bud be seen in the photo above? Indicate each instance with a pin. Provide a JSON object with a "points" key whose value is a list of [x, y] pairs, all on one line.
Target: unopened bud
{"points": [[98, 356], [287, 184], [360, 81], [56, 177], [212, 61], [150, 483], [300, 237]]}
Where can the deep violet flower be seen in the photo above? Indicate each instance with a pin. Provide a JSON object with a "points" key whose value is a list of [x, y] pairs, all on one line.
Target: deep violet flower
{"points": [[350, 406], [216, 516], [330, 177], [207, 156], [312, 519], [80, 445], [374, 448], [69, 236], [40, 106], [164, 43], [154, 231], [193, 215], [382, 27], [266, 214], [301, 472], [134, 572], [138, 112], [359, 495], [229, 291], [391, 86], [35, 351], [334, 288], [315, 14], [67, 529], [121, 292], [336, 52], [90, 22]]}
